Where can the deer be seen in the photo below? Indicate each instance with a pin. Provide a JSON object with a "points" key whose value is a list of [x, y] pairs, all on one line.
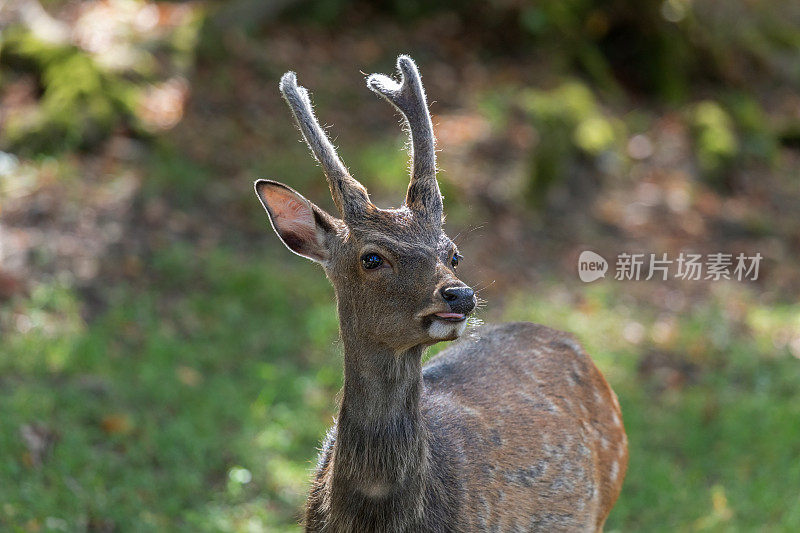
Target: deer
{"points": [[512, 428]]}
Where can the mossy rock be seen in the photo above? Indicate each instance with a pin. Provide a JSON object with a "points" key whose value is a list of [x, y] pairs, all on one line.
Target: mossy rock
{"points": [[80, 103]]}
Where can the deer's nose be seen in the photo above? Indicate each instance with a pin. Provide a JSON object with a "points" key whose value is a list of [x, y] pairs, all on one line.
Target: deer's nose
{"points": [[461, 299]]}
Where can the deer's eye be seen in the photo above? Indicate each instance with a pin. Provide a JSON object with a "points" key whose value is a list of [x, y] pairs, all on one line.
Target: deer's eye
{"points": [[456, 258], [371, 260]]}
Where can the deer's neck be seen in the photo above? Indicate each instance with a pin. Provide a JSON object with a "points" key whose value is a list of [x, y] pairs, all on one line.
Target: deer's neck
{"points": [[381, 447]]}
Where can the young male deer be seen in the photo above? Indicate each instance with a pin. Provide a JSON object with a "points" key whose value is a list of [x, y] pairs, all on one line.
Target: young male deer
{"points": [[512, 429]]}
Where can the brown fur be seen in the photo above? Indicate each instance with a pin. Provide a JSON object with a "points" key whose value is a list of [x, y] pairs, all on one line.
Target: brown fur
{"points": [[511, 429]]}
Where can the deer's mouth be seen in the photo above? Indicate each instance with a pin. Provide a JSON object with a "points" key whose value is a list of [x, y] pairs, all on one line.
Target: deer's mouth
{"points": [[446, 326], [450, 317]]}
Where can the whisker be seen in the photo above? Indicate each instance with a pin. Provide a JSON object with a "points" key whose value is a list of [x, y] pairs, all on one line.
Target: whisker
{"points": [[486, 286], [467, 232]]}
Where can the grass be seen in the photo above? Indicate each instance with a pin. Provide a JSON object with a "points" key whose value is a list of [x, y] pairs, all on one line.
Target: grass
{"points": [[196, 402], [196, 398]]}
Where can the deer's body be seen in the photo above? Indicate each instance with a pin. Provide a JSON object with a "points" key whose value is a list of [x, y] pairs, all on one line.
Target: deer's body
{"points": [[511, 429], [507, 430]]}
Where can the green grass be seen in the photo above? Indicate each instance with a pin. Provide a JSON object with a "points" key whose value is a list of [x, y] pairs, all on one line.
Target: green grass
{"points": [[196, 402], [196, 399]]}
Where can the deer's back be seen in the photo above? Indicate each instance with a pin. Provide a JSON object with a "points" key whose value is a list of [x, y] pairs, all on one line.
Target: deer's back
{"points": [[536, 430]]}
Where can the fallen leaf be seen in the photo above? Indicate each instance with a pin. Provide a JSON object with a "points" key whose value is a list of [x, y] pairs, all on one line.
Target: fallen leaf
{"points": [[118, 423]]}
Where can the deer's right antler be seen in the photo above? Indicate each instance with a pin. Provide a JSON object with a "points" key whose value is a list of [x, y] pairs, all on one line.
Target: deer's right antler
{"points": [[408, 96], [348, 194]]}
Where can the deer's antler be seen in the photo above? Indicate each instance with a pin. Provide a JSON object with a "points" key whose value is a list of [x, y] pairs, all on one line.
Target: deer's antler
{"points": [[408, 96], [349, 195]]}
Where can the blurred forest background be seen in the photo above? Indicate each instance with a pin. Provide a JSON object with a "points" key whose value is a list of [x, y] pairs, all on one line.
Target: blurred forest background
{"points": [[165, 364]]}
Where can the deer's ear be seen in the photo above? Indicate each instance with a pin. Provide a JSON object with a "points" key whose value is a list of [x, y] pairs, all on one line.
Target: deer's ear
{"points": [[302, 226]]}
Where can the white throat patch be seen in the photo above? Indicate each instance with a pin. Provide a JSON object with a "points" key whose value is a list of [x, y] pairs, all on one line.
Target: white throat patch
{"points": [[440, 329]]}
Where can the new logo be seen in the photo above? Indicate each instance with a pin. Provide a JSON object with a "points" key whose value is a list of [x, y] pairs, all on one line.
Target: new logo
{"points": [[591, 266]]}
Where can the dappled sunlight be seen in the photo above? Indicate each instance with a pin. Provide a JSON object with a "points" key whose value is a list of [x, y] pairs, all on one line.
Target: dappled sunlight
{"points": [[161, 106], [103, 66], [720, 513], [166, 364]]}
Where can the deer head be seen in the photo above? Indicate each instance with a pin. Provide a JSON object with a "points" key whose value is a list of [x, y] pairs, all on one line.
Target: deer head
{"points": [[393, 270]]}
